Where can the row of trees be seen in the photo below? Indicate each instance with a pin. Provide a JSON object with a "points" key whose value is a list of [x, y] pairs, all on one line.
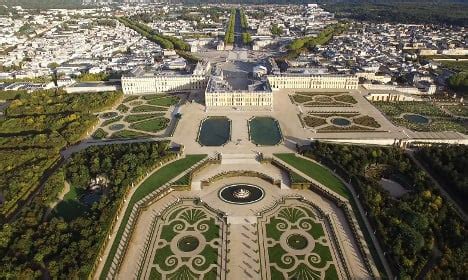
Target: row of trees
{"points": [[308, 43], [246, 38], [166, 42], [35, 128], [40, 243], [450, 165], [411, 228], [229, 36]]}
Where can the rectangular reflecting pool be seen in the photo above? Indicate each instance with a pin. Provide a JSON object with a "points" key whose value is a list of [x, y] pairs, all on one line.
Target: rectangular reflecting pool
{"points": [[214, 131], [265, 131]]}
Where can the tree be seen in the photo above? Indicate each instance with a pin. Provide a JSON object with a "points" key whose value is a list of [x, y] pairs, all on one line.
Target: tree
{"points": [[53, 65], [276, 30]]}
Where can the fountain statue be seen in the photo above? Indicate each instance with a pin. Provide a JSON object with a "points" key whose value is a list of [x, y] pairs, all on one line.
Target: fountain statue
{"points": [[241, 193]]}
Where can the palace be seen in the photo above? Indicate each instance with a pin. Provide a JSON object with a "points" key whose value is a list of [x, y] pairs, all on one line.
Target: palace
{"points": [[301, 81], [219, 93], [162, 83], [141, 82]]}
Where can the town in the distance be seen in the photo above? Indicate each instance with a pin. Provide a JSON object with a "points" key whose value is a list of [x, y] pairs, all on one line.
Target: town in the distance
{"points": [[171, 140]]}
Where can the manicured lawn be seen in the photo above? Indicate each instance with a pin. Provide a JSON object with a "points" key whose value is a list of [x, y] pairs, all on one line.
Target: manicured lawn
{"points": [[137, 118], [70, 207], [164, 101], [128, 134], [130, 98], [113, 120], [99, 134], [122, 108], [147, 108], [317, 172], [155, 181], [152, 125], [153, 96]]}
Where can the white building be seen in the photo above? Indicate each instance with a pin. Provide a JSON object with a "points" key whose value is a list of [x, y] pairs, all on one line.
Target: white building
{"points": [[220, 94], [313, 81], [162, 83]]}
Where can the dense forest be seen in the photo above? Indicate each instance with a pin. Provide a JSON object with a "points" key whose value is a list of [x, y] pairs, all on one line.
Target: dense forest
{"points": [[459, 82], [45, 241], [404, 11], [35, 128], [444, 12], [43, 4], [449, 164], [414, 228]]}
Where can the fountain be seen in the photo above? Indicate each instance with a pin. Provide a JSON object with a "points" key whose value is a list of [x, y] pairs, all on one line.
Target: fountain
{"points": [[241, 193]]}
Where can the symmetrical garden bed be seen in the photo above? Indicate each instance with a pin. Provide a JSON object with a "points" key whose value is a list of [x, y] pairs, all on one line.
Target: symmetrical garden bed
{"points": [[138, 116], [331, 99], [438, 119], [339, 122], [185, 244], [297, 243]]}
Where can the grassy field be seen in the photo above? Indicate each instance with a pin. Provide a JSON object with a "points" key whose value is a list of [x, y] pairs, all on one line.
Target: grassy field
{"points": [[317, 172], [128, 134], [113, 120], [122, 108], [147, 108], [164, 101], [142, 117], [100, 133], [70, 207], [152, 125], [155, 181]]}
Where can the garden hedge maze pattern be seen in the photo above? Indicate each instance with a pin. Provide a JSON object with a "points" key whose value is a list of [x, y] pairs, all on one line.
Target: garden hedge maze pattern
{"points": [[296, 245], [186, 244]]}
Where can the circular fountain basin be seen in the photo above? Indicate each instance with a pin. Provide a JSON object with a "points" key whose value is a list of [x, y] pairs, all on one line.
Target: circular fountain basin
{"points": [[417, 119], [340, 122], [241, 193]]}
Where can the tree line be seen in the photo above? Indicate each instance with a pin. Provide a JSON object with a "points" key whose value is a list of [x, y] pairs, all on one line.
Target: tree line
{"points": [[419, 12], [449, 164], [299, 45], [246, 37], [166, 42], [229, 36]]}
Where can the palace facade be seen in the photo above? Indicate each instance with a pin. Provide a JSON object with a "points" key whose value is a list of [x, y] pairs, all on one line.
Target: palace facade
{"points": [[162, 83], [299, 81]]}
